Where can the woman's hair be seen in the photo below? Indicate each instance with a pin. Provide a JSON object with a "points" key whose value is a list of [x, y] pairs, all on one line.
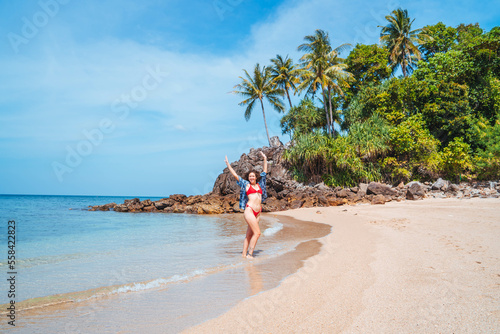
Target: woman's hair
{"points": [[257, 175]]}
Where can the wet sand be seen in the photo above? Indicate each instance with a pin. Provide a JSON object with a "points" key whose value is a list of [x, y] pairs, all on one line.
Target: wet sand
{"points": [[430, 266], [171, 308]]}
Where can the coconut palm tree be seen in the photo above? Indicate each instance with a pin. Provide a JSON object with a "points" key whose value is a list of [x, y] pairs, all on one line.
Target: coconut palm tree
{"points": [[338, 79], [284, 74], [322, 69], [259, 87], [401, 41]]}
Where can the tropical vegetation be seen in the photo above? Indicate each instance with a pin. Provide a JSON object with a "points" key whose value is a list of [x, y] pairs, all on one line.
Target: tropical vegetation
{"points": [[260, 86], [422, 104]]}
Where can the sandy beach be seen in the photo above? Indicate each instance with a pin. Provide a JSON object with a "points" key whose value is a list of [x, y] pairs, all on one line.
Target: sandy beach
{"points": [[430, 266]]}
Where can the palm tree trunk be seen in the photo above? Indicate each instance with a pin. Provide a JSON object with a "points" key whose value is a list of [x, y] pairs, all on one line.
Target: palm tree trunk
{"points": [[326, 112], [265, 123], [288, 95], [331, 112], [403, 66]]}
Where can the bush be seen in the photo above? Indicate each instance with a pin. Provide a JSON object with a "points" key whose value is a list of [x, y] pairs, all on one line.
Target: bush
{"points": [[487, 161], [457, 159]]}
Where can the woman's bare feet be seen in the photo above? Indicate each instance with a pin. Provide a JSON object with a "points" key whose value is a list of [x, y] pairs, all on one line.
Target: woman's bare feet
{"points": [[250, 253]]}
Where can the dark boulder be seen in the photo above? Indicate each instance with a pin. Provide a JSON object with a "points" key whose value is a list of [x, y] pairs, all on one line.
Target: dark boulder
{"points": [[147, 202], [131, 201], [273, 204], [193, 199], [415, 191], [334, 201], [376, 188], [440, 184], [363, 187], [134, 207], [121, 208], [178, 197], [296, 204], [343, 193], [453, 188], [163, 203], [150, 208]]}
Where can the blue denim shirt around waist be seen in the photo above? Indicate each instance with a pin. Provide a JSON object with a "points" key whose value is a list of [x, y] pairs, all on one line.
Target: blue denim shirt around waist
{"points": [[243, 193]]}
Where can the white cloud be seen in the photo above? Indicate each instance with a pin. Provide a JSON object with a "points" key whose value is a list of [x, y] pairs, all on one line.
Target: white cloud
{"points": [[180, 127]]}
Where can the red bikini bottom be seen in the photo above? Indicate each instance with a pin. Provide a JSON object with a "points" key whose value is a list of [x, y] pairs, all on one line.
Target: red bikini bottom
{"points": [[255, 213]]}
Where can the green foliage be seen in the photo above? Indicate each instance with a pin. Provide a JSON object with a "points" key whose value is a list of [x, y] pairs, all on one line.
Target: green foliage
{"points": [[412, 140], [444, 106], [369, 138], [457, 159], [258, 87], [303, 119], [368, 64], [364, 104], [396, 170], [413, 151], [394, 100], [484, 52], [493, 93], [446, 109], [442, 39], [334, 160], [309, 153], [452, 66], [468, 32], [323, 70], [401, 99], [284, 74], [350, 177], [488, 159], [475, 63], [401, 41], [443, 120]]}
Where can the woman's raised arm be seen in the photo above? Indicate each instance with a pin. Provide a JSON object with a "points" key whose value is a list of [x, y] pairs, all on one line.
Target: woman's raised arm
{"points": [[232, 170], [265, 161]]}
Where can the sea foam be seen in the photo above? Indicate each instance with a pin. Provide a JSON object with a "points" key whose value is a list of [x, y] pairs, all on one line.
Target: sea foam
{"points": [[273, 230], [157, 282]]}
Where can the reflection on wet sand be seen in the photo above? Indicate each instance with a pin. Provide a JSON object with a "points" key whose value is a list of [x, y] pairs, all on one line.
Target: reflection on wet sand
{"points": [[255, 278]]}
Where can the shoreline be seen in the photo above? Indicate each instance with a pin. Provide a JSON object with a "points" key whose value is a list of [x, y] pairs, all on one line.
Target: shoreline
{"points": [[414, 266], [229, 286], [306, 196]]}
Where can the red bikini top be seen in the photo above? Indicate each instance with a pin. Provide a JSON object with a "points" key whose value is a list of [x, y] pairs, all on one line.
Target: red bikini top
{"points": [[252, 190]]}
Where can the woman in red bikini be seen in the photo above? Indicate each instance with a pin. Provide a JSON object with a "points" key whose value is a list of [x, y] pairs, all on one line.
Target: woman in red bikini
{"points": [[252, 193]]}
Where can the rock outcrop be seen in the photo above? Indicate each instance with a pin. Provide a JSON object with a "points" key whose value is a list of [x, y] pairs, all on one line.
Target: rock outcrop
{"points": [[285, 193]]}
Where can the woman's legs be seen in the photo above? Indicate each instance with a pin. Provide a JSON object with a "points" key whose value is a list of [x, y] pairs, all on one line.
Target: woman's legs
{"points": [[247, 241], [253, 223]]}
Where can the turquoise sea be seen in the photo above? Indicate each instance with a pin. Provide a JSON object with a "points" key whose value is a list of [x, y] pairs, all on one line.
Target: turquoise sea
{"points": [[93, 271]]}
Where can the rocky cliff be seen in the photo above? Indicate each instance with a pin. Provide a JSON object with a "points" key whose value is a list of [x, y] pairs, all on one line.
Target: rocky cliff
{"points": [[286, 193]]}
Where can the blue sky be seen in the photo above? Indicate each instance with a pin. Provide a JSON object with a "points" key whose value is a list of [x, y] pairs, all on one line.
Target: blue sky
{"points": [[132, 97]]}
